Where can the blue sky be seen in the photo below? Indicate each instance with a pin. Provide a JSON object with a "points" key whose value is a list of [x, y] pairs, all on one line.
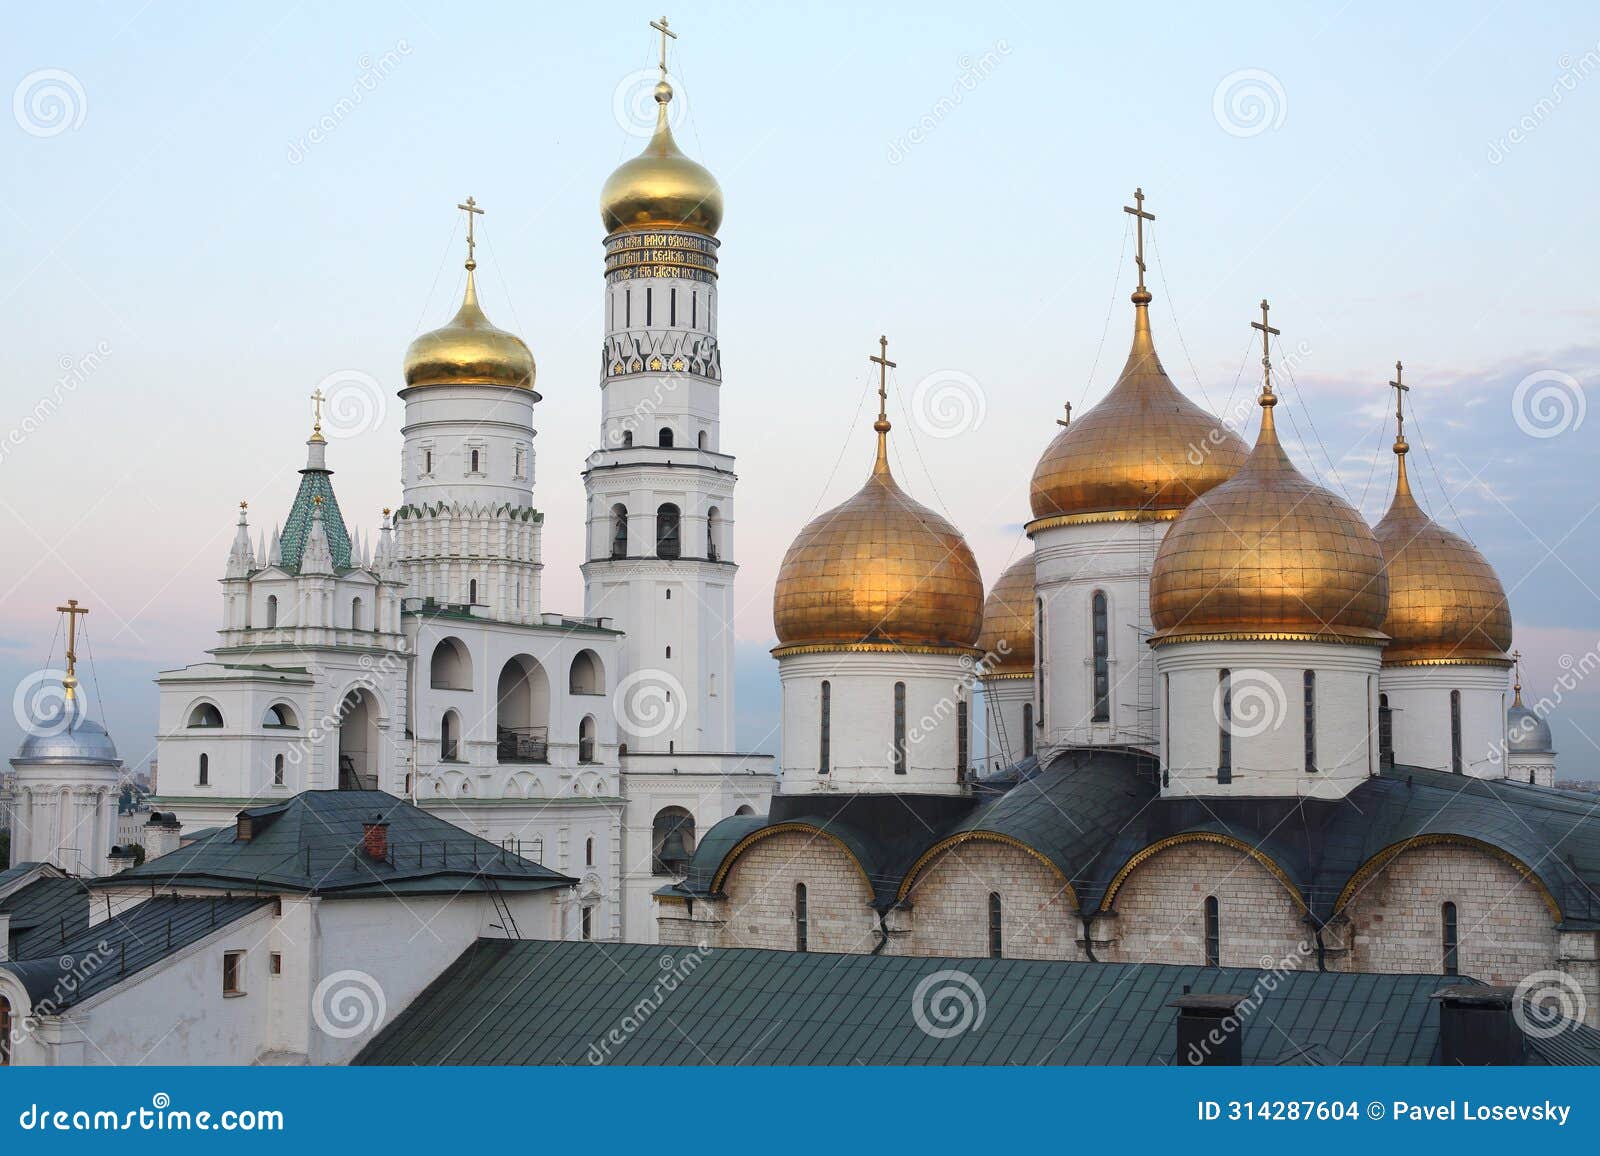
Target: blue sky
{"points": [[1401, 184]]}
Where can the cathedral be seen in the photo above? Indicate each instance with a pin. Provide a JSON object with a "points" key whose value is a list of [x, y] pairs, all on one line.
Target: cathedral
{"points": [[1212, 717]]}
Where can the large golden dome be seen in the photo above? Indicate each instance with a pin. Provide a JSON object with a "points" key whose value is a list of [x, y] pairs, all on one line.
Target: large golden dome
{"points": [[1008, 620], [469, 351], [661, 188], [1446, 604], [880, 571], [1144, 452], [1269, 554]]}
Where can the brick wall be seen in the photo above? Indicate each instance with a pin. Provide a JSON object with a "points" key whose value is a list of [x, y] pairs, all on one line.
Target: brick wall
{"points": [[950, 906], [760, 908], [1504, 929], [1160, 911]]}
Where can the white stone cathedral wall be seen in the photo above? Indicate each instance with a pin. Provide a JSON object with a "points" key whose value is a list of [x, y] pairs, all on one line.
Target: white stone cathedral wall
{"points": [[1160, 911], [453, 420], [1005, 728], [1538, 769], [761, 896], [950, 906], [1504, 929], [1419, 704]]}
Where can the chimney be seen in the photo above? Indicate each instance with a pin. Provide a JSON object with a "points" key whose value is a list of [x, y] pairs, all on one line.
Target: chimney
{"points": [[375, 838], [1210, 1030], [1477, 1027], [119, 858], [162, 834], [244, 827]]}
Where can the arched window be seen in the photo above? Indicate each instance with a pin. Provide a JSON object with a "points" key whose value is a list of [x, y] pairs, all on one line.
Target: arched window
{"points": [[1225, 727], [802, 917], [205, 715], [714, 534], [355, 614], [1027, 730], [619, 531], [668, 542], [825, 738], [205, 771], [277, 771], [996, 932], [1310, 694], [1455, 731], [1385, 732], [746, 809], [427, 461], [961, 739], [585, 675], [280, 715], [474, 461], [1452, 957], [587, 920], [588, 851], [627, 439], [899, 728], [5, 1032], [586, 739], [472, 591], [1102, 658], [704, 440], [449, 737], [671, 841], [450, 668], [1040, 670], [272, 610], [664, 438], [1213, 933]]}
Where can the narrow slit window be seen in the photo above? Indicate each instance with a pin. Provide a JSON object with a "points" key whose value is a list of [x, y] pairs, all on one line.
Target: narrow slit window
{"points": [[1452, 945], [1225, 730], [996, 930], [1027, 730], [899, 728], [801, 918], [1455, 732], [1310, 683], [1102, 658], [1213, 933], [825, 739]]}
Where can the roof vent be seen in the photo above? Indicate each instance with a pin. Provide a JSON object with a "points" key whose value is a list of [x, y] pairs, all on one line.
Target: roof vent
{"points": [[1210, 1030], [244, 827], [375, 838], [1476, 1026]]}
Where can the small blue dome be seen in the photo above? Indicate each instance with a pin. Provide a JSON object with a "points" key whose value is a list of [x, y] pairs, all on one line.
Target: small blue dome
{"points": [[67, 739], [1526, 732]]}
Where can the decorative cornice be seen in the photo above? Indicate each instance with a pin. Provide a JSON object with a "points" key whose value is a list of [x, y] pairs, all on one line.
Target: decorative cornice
{"points": [[871, 648], [755, 837], [997, 676], [1497, 663], [1331, 637], [983, 837], [1099, 516]]}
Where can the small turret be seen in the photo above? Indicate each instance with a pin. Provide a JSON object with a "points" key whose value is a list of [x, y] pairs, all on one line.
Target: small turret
{"points": [[242, 557]]}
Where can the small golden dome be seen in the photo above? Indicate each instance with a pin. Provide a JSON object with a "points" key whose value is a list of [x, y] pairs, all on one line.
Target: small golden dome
{"points": [[1446, 604], [1269, 554], [1008, 620], [661, 188], [469, 351], [880, 571], [1144, 451]]}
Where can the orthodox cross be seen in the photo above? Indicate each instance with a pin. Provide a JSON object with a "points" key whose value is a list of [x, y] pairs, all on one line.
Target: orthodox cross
{"points": [[73, 611], [661, 27], [1139, 218], [1066, 421], [1267, 334], [473, 212], [1516, 685], [884, 366], [1400, 391]]}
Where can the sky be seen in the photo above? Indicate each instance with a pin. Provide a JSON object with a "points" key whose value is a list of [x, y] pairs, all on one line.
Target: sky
{"points": [[206, 211]]}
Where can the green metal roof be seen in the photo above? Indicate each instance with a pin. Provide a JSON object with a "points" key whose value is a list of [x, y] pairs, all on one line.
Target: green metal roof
{"points": [[535, 1002], [312, 843], [45, 914], [292, 542]]}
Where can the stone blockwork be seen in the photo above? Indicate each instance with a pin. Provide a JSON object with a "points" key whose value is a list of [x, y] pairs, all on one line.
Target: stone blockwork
{"points": [[1504, 929], [760, 904], [1160, 912], [950, 906]]}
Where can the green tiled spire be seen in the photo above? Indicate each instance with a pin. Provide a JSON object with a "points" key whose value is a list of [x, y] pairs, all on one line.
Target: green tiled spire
{"points": [[316, 480]]}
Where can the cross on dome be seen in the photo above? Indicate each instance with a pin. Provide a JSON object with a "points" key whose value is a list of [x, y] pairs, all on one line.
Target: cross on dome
{"points": [[1267, 334], [1141, 295], [470, 207], [661, 27]]}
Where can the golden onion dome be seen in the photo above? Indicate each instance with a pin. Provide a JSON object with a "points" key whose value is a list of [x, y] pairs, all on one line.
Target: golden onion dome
{"points": [[1008, 622], [1144, 452], [880, 572], [661, 188], [470, 351], [1446, 604], [1269, 554]]}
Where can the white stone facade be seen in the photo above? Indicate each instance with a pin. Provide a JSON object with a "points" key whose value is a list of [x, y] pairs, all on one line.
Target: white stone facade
{"points": [[1422, 701]]}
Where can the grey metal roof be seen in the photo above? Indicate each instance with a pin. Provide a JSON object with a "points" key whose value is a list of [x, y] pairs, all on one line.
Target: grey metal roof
{"points": [[103, 955], [1527, 732], [45, 914], [311, 843], [68, 739], [534, 1002]]}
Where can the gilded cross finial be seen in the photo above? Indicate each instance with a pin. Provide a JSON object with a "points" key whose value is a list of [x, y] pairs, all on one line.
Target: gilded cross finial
{"points": [[661, 27], [1139, 218], [884, 366], [1267, 334], [470, 207], [1516, 678], [1067, 420], [1400, 390], [317, 398], [73, 612]]}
